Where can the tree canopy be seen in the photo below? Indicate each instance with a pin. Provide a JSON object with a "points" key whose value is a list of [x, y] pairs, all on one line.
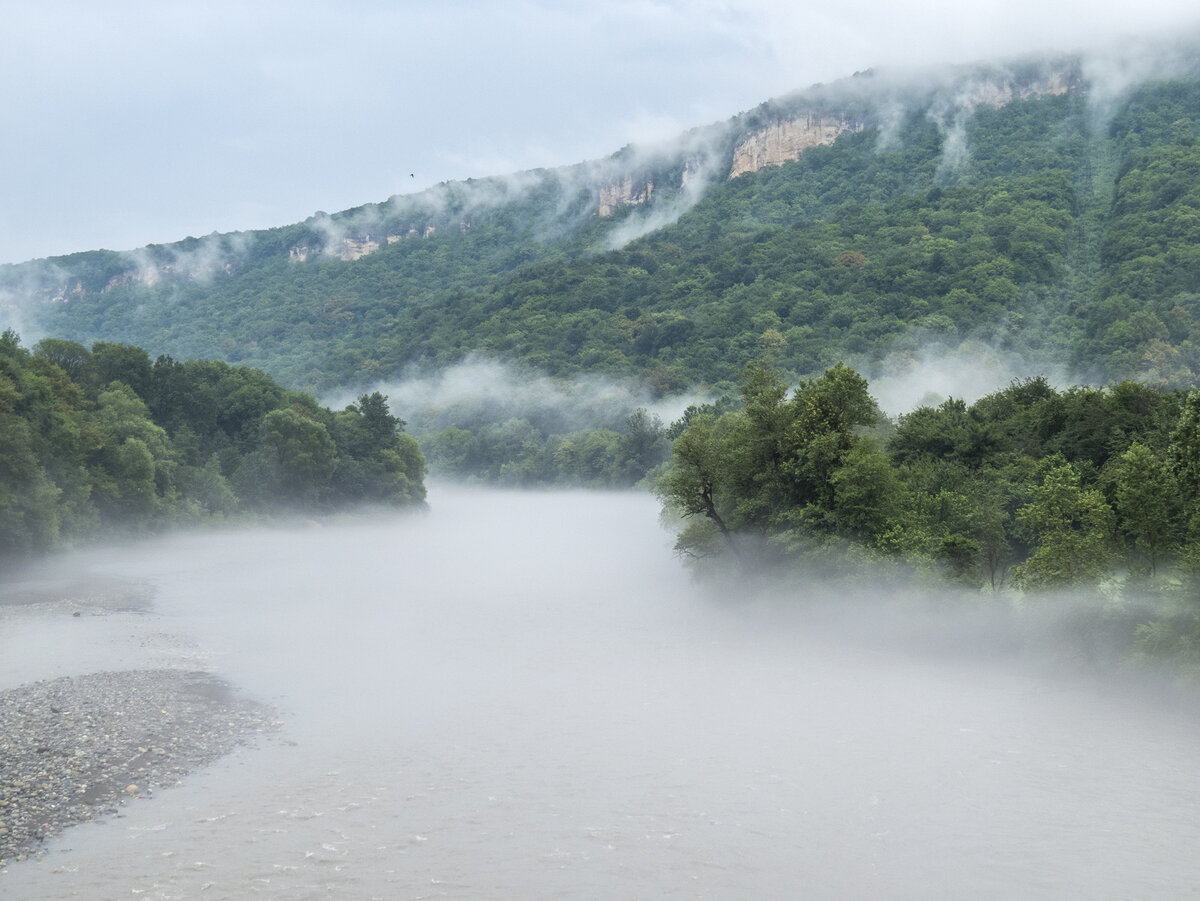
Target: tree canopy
{"points": [[101, 439]]}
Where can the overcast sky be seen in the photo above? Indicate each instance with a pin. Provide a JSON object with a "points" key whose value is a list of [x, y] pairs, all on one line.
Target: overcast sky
{"points": [[132, 123]]}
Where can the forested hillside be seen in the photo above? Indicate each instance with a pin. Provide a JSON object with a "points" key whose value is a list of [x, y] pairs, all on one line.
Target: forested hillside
{"points": [[1021, 205], [103, 441]]}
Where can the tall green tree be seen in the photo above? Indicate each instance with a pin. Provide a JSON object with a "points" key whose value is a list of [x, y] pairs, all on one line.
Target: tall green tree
{"points": [[820, 434], [300, 456], [1148, 502], [705, 460], [1072, 530], [133, 466]]}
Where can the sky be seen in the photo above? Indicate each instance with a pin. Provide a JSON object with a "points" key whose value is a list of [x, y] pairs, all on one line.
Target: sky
{"points": [[129, 123]]}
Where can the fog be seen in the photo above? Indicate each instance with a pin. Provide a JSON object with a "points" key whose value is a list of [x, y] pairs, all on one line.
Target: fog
{"points": [[526, 695], [934, 371], [482, 390], [235, 116]]}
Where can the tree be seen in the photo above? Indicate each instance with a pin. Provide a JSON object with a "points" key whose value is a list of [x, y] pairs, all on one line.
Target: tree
{"points": [[1184, 453], [301, 456], [70, 356], [1071, 526], [119, 363], [29, 512], [375, 462], [866, 493], [702, 460], [642, 446], [133, 466], [823, 414], [378, 421], [773, 466], [766, 417], [1148, 503]]}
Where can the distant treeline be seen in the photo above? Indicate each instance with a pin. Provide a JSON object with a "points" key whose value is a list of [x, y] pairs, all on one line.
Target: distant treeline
{"points": [[522, 452], [103, 440], [1029, 487]]}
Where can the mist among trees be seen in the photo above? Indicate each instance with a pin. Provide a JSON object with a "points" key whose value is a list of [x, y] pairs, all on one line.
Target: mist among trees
{"points": [[102, 440]]}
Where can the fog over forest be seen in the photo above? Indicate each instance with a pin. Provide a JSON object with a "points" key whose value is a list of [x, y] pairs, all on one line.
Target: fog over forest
{"points": [[796, 502]]}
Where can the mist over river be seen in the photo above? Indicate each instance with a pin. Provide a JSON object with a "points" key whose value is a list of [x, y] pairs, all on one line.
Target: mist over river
{"points": [[525, 696]]}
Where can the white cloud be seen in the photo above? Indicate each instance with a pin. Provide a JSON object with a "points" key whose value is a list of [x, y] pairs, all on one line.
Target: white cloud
{"points": [[127, 123]]}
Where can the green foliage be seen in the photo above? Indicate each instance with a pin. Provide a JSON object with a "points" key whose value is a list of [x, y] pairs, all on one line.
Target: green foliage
{"points": [[1047, 233], [1148, 501], [297, 458], [1029, 486], [199, 441], [707, 459], [1072, 529], [518, 451], [775, 467]]}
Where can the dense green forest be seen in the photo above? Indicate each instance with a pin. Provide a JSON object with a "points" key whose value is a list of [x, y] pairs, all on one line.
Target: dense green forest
{"points": [[105, 441], [1028, 487], [1059, 225]]}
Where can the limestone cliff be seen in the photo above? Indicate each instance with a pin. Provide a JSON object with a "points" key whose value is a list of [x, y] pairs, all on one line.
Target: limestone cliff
{"points": [[782, 141], [348, 248], [353, 249], [998, 92], [623, 192], [787, 137]]}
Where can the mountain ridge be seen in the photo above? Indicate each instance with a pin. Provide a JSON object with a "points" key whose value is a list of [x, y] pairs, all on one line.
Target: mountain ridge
{"points": [[778, 130], [592, 265]]}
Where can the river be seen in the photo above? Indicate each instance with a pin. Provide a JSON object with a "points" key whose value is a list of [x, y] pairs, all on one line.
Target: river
{"points": [[525, 696]]}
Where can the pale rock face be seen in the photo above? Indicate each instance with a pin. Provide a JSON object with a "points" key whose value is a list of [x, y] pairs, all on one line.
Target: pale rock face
{"points": [[990, 93], [781, 142], [353, 249], [64, 294], [146, 275], [622, 193], [692, 173]]}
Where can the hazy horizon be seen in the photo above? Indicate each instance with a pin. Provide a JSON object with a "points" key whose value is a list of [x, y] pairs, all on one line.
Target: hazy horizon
{"points": [[133, 126]]}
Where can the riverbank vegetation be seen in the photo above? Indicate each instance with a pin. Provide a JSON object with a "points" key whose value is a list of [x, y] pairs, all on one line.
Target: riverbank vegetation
{"points": [[102, 440], [1029, 489], [1047, 223]]}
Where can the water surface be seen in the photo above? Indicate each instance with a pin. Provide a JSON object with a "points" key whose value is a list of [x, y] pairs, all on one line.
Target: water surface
{"points": [[524, 696]]}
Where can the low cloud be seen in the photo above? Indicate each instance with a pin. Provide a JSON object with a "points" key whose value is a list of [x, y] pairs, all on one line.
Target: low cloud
{"points": [[485, 391], [935, 372]]}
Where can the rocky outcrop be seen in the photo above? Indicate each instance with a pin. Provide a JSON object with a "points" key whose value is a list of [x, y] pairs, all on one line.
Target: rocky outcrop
{"points": [[67, 292], [986, 92], [783, 141], [348, 249], [626, 191], [787, 138], [354, 248]]}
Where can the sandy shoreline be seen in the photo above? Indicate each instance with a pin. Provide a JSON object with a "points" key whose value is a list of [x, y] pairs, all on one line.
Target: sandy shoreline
{"points": [[77, 747]]}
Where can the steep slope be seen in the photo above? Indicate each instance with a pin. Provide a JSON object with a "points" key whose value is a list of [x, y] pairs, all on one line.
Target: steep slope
{"points": [[854, 220]]}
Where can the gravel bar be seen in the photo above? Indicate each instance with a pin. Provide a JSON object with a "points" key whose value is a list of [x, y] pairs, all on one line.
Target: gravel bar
{"points": [[76, 748]]}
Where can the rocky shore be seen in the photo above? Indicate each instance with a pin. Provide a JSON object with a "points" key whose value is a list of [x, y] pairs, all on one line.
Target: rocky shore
{"points": [[78, 747]]}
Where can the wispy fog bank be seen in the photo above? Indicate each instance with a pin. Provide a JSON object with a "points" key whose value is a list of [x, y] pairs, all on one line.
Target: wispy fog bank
{"points": [[481, 390], [523, 695], [926, 377]]}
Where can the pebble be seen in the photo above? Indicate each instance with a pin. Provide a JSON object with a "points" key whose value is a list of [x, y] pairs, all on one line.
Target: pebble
{"points": [[77, 748]]}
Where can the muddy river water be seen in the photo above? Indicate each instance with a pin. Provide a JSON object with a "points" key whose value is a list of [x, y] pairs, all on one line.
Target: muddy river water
{"points": [[525, 696]]}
